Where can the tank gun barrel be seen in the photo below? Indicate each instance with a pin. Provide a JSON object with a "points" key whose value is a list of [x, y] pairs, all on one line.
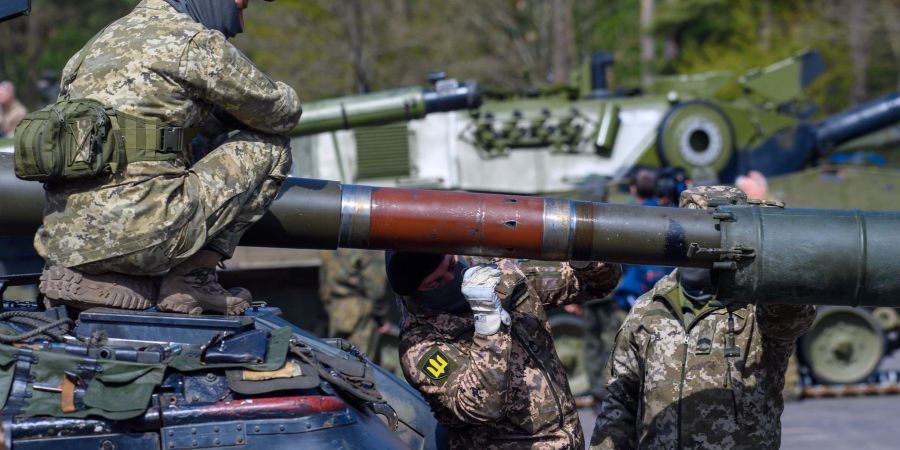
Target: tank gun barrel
{"points": [[385, 107], [758, 254], [861, 120]]}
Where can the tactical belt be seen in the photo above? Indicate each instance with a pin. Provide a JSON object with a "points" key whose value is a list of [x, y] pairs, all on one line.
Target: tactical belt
{"points": [[151, 140]]}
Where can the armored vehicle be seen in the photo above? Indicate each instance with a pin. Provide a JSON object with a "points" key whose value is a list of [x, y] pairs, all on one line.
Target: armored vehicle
{"points": [[150, 380], [548, 143]]}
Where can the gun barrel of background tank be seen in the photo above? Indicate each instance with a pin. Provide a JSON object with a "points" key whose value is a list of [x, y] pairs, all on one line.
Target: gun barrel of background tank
{"points": [[767, 255], [861, 120], [385, 107]]}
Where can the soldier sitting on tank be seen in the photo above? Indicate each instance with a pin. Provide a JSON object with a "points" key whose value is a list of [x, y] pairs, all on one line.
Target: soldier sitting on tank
{"points": [[690, 372], [475, 341], [171, 210]]}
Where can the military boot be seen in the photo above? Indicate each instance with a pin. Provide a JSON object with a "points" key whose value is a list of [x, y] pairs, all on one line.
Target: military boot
{"points": [[79, 290], [192, 287]]}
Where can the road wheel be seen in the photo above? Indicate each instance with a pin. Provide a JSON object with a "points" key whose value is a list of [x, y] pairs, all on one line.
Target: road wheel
{"points": [[844, 345]]}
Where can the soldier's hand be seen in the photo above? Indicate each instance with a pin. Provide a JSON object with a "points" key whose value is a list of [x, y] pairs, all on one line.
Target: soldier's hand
{"points": [[479, 287]]}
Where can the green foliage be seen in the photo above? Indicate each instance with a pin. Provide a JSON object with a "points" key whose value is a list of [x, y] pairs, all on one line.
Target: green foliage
{"points": [[616, 28], [739, 35], [327, 48], [46, 39]]}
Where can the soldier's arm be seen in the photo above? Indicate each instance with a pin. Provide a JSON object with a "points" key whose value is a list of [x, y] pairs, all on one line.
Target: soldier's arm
{"points": [[563, 283], [616, 424], [784, 322], [780, 326], [219, 74], [472, 386]]}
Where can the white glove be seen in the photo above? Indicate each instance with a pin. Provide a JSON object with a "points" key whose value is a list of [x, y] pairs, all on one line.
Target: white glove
{"points": [[478, 286]]}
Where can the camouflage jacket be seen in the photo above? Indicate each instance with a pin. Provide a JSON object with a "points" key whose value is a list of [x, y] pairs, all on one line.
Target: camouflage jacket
{"points": [[676, 387], [508, 390], [154, 63], [352, 286]]}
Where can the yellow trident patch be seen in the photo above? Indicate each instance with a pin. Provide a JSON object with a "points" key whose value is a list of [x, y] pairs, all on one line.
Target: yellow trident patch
{"points": [[436, 365]]}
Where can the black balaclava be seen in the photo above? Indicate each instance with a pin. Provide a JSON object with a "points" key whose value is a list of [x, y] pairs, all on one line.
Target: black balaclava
{"points": [[697, 284], [449, 297], [406, 270], [221, 15]]}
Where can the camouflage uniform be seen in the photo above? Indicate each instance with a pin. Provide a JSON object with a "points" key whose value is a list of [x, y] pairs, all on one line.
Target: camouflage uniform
{"points": [[507, 390], [602, 319], [158, 63], [352, 286], [705, 384]]}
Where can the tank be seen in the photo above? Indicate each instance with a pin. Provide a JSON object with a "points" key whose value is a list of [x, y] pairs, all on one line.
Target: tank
{"points": [[548, 141]]}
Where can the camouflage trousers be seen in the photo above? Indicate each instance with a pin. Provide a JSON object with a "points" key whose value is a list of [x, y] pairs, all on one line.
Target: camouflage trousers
{"points": [[351, 319], [232, 186], [602, 321]]}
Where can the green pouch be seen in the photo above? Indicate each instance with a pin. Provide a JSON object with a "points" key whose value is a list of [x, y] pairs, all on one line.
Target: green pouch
{"points": [[66, 141], [275, 356], [123, 388], [118, 390], [7, 369]]}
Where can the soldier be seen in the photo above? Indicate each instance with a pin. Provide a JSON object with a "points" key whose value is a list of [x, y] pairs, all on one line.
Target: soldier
{"points": [[352, 286], [12, 111], [493, 379], [690, 372], [167, 68]]}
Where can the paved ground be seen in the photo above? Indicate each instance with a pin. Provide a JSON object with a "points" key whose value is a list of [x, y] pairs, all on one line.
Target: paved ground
{"points": [[841, 423], [850, 423], [859, 423]]}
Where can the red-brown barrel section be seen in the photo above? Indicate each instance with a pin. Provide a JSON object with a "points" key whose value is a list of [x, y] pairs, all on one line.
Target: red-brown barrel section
{"points": [[457, 222]]}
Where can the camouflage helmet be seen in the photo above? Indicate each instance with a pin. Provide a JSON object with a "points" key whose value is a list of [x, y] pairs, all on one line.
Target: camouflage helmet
{"points": [[704, 197]]}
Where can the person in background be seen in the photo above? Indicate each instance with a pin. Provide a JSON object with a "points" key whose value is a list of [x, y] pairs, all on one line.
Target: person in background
{"points": [[754, 184], [12, 111], [353, 289], [643, 186]]}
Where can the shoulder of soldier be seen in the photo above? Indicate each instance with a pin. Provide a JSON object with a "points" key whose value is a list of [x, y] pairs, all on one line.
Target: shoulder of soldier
{"points": [[428, 357], [636, 314], [649, 305], [665, 285], [160, 20]]}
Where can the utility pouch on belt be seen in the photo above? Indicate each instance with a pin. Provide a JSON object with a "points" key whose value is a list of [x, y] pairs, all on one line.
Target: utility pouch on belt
{"points": [[68, 140], [78, 139]]}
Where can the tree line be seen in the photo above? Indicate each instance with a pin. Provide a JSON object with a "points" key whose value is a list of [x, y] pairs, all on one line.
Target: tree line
{"points": [[327, 48]]}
